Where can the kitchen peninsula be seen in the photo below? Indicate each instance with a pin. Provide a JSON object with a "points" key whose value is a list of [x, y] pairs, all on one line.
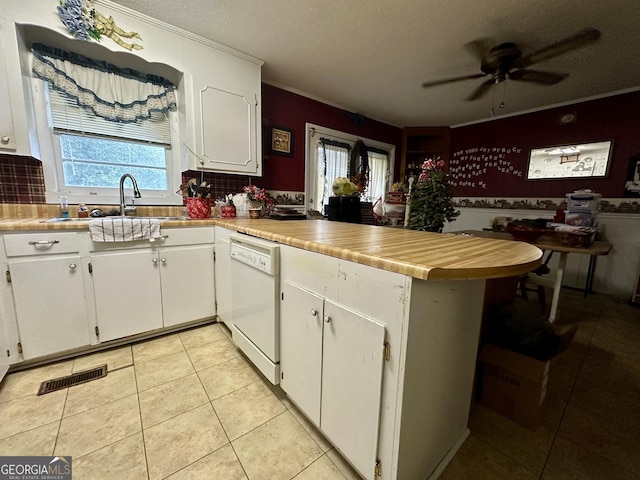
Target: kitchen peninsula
{"points": [[379, 332], [423, 292]]}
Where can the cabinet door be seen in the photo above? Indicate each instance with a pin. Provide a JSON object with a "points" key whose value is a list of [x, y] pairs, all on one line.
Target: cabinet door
{"points": [[352, 384], [228, 130], [188, 291], [301, 348], [223, 280], [50, 305], [127, 293], [7, 134]]}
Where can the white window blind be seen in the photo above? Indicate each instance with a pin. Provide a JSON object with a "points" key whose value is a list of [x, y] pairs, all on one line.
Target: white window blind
{"points": [[67, 116]]}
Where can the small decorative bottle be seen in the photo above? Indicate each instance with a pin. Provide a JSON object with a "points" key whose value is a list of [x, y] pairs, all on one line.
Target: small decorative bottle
{"points": [[83, 212]]}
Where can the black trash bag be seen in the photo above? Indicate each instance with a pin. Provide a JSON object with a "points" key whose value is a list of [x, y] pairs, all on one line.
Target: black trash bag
{"points": [[522, 328]]}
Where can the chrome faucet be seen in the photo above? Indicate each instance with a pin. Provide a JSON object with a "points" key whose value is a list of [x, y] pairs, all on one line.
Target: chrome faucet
{"points": [[136, 193]]}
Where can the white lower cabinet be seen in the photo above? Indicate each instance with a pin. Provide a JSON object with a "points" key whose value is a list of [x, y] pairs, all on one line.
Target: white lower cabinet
{"points": [[332, 364], [187, 281], [141, 290], [126, 286], [49, 300]]}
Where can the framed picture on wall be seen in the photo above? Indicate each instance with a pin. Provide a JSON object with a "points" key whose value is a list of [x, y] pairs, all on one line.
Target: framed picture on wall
{"points": [[632, 185], [578, 160], [282, 141]]}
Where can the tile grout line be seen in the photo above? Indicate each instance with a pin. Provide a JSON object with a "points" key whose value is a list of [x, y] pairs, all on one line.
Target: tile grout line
{"points": [[217, 417], [314, 440], [144, 444], [566, 405], [66, 396], [108, 444], [259, 379], [100, 405]]}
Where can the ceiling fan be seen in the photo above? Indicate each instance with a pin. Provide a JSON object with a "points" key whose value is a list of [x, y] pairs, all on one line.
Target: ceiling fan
{"points": [[506, 61]]}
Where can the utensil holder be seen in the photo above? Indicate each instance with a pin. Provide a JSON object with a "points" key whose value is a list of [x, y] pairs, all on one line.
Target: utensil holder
{"points": [[198, 207]]}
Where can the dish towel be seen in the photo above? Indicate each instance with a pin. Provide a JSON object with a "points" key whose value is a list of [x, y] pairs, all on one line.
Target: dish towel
{"points": [[119, 229]]}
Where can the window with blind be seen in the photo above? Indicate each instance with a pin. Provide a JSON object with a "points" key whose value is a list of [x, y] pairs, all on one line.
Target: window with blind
{"points": [[328, 158], [95, 153], [97, 121]]}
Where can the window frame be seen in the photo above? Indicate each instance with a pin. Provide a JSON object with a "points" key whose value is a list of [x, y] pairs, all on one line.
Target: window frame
{"points": [[312, 133], [51, 157]]}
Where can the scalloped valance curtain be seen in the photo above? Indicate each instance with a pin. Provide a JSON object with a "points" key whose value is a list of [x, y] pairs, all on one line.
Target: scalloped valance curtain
{"points": [[115, 94]]}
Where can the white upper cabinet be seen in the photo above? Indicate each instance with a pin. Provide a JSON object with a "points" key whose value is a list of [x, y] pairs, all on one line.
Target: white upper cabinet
{"points": [[15, 136], [226, 107], [218, 88], [228, 131], [7, 135]]}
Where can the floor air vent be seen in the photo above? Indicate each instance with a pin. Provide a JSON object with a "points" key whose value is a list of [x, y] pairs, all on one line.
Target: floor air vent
{"points": [[49, 386]]}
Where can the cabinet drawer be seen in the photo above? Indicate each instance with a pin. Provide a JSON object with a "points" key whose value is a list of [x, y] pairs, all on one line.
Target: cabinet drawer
{"points": [[45, 243], [171, 237], [187, 236]]}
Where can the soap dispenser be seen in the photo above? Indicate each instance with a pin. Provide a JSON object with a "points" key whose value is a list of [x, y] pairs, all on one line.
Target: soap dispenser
{"points": [[64, 206]]}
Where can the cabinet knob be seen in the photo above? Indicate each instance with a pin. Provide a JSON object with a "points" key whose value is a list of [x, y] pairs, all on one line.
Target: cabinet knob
{"points": [[327, 319], [154, 260], [5, 140], [72, 266], [163, 260], [314, 312]]}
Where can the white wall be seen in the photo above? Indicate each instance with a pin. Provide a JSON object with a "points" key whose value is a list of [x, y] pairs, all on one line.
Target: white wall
{"points": [[615, 273]]}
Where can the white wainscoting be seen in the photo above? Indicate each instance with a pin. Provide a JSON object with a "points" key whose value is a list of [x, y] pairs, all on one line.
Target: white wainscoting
{"points": [[615, 273]]}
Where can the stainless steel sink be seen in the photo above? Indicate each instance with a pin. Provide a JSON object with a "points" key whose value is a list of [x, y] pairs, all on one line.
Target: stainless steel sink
{"points": [[65, 219], [70, 219]]}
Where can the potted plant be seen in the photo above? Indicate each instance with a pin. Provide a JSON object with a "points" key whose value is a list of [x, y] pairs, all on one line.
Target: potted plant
{"points": [[256, 197], [431, 199]]}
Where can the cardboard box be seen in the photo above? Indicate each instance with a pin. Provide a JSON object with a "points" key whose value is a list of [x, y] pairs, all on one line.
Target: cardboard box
{"points": [[513, 385]]}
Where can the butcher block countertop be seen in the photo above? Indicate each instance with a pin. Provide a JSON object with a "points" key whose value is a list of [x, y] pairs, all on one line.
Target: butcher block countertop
{"points": [[423, 255]]}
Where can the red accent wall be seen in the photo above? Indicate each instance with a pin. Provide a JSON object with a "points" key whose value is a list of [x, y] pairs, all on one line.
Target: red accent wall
{"points": [[289, 110], [614, 118]]}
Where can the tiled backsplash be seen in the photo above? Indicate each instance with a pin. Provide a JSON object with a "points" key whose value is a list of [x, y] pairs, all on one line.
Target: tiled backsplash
{"points": [[21, 180], [221, 183]]}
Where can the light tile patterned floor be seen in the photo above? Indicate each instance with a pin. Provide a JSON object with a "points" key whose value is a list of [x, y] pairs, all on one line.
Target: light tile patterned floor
{"points": [[590, 422], [190, 406], [183, 406]]}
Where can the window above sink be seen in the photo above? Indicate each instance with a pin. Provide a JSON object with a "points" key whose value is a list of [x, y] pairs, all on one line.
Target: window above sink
{"points": [[87, 145]]}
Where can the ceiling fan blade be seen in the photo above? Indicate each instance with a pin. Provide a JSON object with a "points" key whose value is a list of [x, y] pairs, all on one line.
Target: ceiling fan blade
{"points": [[479, 48], [481, 90], [581, 39], [534, 76], [452, 80]]}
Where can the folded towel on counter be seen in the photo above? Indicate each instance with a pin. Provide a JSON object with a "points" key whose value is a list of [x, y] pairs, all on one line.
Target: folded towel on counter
{"points": [[120, 229]]}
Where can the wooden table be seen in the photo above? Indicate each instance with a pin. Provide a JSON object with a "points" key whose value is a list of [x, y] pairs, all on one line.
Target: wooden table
{"points": [[552, 244]]}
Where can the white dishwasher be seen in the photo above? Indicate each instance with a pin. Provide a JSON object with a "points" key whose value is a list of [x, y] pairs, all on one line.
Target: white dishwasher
{"points": [[255, 309]]}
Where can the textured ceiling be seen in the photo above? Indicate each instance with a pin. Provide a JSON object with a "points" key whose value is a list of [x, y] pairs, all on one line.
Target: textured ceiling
{"points": [[372, 56]]}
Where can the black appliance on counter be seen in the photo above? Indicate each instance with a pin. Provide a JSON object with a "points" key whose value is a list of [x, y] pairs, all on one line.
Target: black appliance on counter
{"points": [[344, 209]]}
